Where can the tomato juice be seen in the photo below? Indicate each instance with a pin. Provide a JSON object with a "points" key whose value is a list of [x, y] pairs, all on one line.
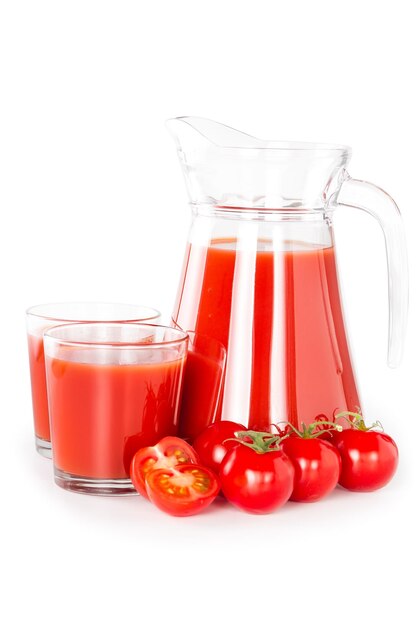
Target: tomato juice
{"points": [[279, 315], [102, 413], [202, 385], [38, 382]]}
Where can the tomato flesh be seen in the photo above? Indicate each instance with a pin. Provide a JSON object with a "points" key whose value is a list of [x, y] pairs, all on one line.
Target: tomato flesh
{"points": [[168, 453], [182, 490]]}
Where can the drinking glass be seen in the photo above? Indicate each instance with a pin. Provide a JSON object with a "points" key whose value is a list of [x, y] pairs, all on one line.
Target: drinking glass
{"points": [[112, 389], [41, 317]]}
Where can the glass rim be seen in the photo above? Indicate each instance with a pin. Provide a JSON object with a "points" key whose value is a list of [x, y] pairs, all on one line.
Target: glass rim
{"points": [[138, 345], [33, 311]]}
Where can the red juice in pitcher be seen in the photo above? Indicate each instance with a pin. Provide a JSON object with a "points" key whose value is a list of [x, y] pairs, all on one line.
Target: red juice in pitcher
{"points": [[279, 315]]}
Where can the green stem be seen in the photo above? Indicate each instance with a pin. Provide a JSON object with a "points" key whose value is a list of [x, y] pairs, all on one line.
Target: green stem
{"points": [[261, 442], [306, 431], [358, 423]]}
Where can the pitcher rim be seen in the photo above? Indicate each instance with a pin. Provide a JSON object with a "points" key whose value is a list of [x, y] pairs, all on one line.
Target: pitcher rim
{"points": [[265, 144]]}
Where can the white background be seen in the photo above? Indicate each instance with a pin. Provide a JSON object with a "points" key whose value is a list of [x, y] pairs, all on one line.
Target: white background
{"points": [[93, 207]]}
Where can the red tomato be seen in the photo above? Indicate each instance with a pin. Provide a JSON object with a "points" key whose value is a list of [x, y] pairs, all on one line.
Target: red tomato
{"points": [[169, 452], [211, 446], [182, 490], [369, 458], [317, 467], [254, 481]]}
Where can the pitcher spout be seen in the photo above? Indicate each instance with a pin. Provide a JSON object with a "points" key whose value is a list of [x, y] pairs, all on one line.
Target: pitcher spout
{"points": [[192, 130], [228, 168]]}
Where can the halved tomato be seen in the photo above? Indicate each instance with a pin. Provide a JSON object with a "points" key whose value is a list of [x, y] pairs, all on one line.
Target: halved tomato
{"points": [[182, 490], [169, 452]]}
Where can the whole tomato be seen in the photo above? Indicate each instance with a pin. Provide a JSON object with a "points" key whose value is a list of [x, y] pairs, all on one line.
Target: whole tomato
{"points": [[317, 466], [369, 458], [214, 442], [257, 477]]}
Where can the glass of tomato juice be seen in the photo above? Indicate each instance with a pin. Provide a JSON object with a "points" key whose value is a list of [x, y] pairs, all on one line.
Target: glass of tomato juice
{"points": [[112, 388], [41, 317]]}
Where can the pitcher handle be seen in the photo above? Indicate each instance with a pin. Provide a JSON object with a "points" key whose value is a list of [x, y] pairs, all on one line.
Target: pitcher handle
{"points": [[362, 195]]}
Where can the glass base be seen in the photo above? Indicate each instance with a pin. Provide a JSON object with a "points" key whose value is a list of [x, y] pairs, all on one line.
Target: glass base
{"points": [[43, 447], [94, 486]]}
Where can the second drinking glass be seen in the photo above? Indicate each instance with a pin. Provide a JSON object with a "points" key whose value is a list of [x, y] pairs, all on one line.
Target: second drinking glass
{"points": [[41, 317]]}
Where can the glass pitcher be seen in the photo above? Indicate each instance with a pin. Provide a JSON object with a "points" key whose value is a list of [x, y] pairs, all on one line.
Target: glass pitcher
{"points": [[260, 273]]}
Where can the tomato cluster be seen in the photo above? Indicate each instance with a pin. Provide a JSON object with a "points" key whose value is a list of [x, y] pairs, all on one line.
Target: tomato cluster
{"points": [[258, 472]]}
